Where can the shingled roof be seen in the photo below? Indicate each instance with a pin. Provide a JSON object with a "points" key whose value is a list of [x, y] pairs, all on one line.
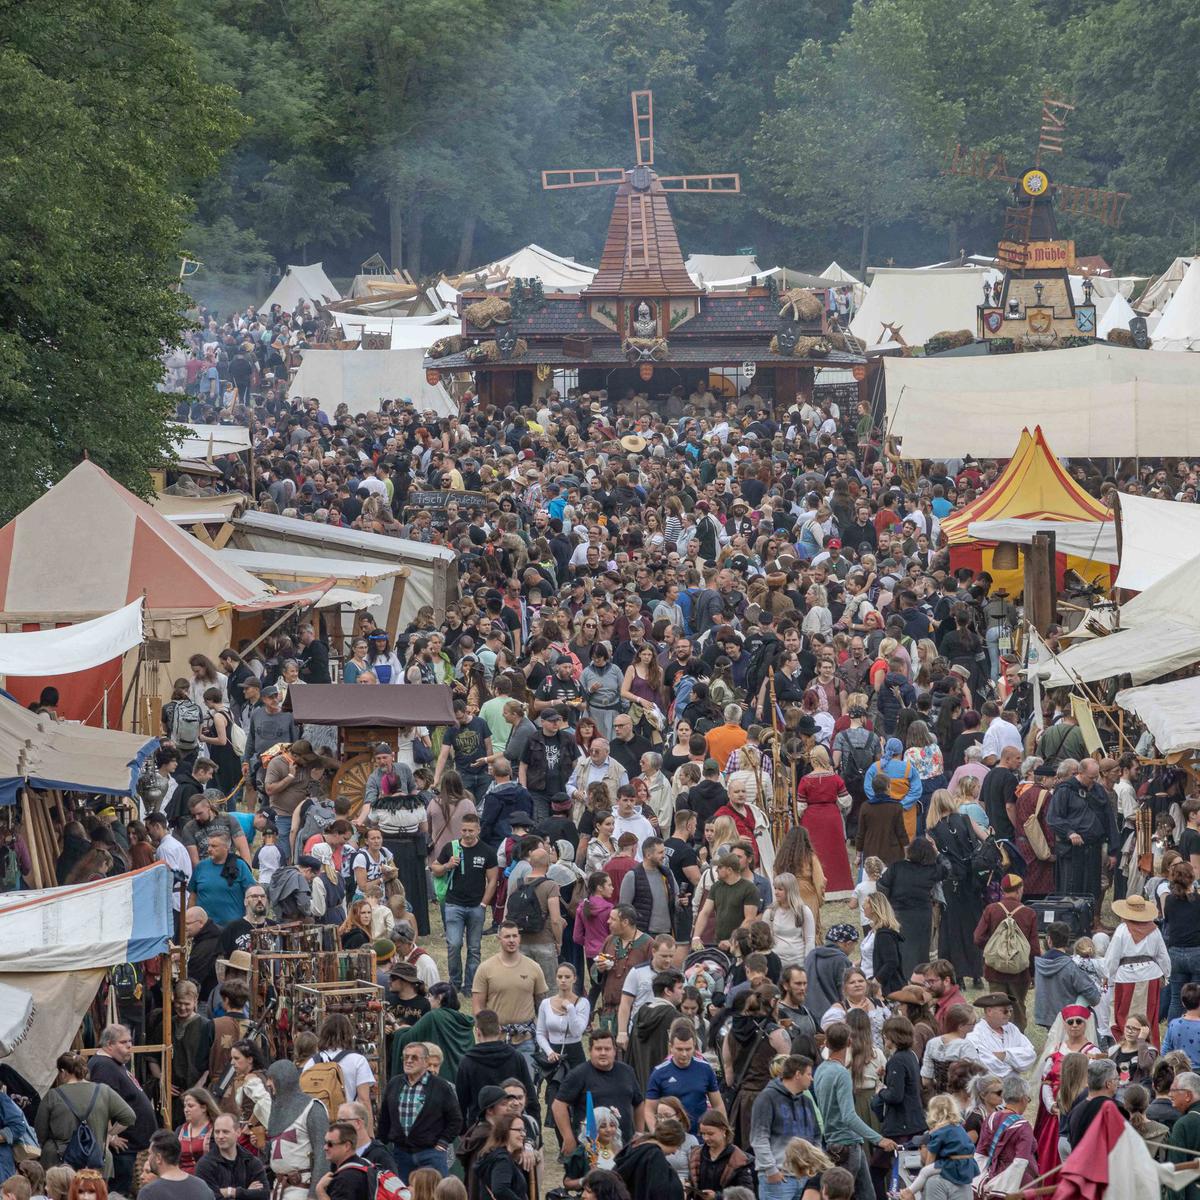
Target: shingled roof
{"points": [[624, 269]]}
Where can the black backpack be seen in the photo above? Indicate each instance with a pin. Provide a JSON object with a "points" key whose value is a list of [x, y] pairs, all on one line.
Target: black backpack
{"points": [[525, 909], [857, 760], [82, 1150]]}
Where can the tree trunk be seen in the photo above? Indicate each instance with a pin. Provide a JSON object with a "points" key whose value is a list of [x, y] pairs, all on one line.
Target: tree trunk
{"points": [[396, 228], [416, 222], [866, 237], [466, 247]]}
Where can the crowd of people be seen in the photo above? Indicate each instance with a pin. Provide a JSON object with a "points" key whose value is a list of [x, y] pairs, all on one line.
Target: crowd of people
{"points": [[736, 843]]}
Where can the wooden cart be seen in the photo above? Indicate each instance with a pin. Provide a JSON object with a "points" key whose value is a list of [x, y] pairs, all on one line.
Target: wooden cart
{"points": [[366, 716]]}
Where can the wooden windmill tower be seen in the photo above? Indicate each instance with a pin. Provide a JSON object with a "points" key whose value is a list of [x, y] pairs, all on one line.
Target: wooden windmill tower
{"points": [[642, 289], [1035, 307]]}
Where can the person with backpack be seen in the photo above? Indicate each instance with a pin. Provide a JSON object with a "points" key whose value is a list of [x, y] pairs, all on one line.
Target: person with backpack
{"points": [[1007, 934], [854, 749], [74, 1119], [534, 906], [337, 1072]]}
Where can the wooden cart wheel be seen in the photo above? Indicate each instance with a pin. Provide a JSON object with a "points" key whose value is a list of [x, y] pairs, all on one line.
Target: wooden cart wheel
{"points": [[351, 780]]}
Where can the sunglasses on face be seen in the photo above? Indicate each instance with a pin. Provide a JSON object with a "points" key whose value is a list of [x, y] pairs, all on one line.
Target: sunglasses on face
{"points": [[1076, 1021]]}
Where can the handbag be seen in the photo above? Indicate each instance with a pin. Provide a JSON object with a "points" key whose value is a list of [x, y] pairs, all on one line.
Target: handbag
{"points": [[1034, 835]]}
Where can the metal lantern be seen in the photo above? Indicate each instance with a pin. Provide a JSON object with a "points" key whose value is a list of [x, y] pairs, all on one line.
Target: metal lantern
{"points": [[1006, 557]]}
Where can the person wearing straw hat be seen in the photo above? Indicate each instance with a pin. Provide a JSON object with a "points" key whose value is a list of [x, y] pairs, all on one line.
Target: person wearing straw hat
{"points": [[1136, 964]]}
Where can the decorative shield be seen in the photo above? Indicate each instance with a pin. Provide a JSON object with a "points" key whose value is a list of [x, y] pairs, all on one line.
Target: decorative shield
{"points": [[748, 369], [1141, 335], [786, 338], [1041, 320], [506, 340], [646, 371], [859, 373], [993, 319], [1085, 320], [433, 377]]}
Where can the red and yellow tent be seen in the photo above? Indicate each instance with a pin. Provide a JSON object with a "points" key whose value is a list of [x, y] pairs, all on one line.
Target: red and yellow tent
{"points": [[1033, 486]]}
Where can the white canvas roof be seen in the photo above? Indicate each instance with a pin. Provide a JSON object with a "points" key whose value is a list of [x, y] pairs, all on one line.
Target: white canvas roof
{"points": [[200, 440], [301, 568], [1171, 711], [1179, 328], [302, 283], [1162, 288], [558, 274], [354, 325], [1157, 536], [362, 378], [1091, 402], [1094, 540], [709, 268], [919, 303], [839, 274]]}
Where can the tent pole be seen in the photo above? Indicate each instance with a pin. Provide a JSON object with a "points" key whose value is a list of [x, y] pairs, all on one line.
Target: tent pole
{"points": [[267, 632]]}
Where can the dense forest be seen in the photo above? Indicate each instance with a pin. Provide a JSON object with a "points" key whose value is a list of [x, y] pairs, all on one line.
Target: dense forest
{"points": [[419, 129]]}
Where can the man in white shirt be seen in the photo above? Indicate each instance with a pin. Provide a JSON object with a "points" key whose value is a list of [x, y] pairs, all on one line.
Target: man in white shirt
{"points": [[629, 819], [1000, 733], [169, 849], [639, 983], [998, 1044]]}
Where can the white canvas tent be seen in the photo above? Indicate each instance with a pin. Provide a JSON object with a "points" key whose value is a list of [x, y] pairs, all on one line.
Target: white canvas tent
{"points": [[433, 571], [354, 325], [362, 378], [1179, 328], [202, 440], [1157, 536], [1160, 289], [1171, 711], [1116, 315], [302, 283], [1094, 540], [713, 268], [557, 273], [919, 303], [839, 274], [1091, 402]]}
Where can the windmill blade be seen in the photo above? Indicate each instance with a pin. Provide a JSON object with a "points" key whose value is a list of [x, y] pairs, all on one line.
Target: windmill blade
{"points": [[1054, 120], [637, 243], [717, 185], [585, 177], [643, 127], [977, 164], [1098, 203]]}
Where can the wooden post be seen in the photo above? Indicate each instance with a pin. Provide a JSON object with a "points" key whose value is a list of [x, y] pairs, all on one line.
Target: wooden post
{"points": [[392, 620], [1040, 591]]}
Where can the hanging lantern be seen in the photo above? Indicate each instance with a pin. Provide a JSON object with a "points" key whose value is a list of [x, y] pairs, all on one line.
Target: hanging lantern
{"points": [[1006, 557]]}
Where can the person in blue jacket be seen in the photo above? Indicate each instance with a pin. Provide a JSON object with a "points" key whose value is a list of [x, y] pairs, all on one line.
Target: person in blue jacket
{"points": [[892, 766]]}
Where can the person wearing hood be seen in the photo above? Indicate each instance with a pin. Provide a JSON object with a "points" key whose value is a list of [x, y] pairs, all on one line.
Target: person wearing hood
{"points": [[445, 1024], [504, 798], [491, 1058], [1058, 979], [497, 1170], [204, 948], [649, 1035], [825, 967], [295, 1134], [643, 1163], [892, 777]]}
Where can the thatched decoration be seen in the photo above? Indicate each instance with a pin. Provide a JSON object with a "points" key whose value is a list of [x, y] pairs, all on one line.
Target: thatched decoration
{"points": [[645, 348], [948, 340], [806, 347], [490, 352], [802, 304], [485, 313], [1122, 337], [444, 346]]}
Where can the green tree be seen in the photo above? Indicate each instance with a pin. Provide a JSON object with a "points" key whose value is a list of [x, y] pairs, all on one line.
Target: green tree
{"points": [[106, 123]]}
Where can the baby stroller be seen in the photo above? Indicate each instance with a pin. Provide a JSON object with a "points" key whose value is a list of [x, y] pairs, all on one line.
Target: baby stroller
{"points": [[707, 970]]}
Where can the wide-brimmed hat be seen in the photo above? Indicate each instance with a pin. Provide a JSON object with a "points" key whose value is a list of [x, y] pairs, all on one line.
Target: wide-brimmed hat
{"points": [[239, 960], [1135, 908], [634, 443], [910, 993]]}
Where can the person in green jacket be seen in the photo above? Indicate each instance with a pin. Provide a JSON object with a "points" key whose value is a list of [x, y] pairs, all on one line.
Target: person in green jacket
{"points": [[1184, 1141], [444, 1025]]}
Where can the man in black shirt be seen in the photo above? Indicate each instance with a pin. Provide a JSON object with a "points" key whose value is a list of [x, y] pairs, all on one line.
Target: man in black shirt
{"points": [[684, 864], [611, 1084], [407, 1003], [998, 795], [472, 868], [627, 748], [110, 1065], [314, 657], [549, 759], [236, 935], [560, 689], [365, 1146], [348, 1177]]}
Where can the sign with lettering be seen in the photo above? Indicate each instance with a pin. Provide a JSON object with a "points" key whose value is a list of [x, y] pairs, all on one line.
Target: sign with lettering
{"points": [[1038, 255]]}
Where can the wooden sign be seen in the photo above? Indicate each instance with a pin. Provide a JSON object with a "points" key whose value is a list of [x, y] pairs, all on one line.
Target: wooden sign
{"points": [[435, 504], [1041, 256]]}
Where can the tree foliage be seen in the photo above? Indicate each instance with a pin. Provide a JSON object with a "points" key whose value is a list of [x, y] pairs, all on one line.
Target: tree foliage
{"points": [[106, 123]]}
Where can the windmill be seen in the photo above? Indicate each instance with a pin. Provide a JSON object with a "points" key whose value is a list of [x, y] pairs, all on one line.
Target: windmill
{"points": [[641, 253], [1029, 218]]}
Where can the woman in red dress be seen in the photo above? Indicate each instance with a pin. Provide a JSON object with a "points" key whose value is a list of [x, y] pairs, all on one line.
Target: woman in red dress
{"points": [[1072, 1029], [819, 791]]}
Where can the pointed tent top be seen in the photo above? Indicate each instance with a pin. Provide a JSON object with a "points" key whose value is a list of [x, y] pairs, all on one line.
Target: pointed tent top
{"points": [[1117, 315], [110, 548], [1032, 485], [1179, 328]]}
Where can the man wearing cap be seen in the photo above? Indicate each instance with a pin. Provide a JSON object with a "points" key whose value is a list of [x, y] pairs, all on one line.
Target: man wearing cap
{"points": [[548, 761], [558, 690], [999, 1044], [407, 1001], [385, 764], [1014, 985], [407, 951], [268, 726]]}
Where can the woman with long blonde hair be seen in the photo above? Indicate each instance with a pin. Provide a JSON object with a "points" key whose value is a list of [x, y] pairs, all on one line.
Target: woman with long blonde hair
{"points": [[882, 944], [791, 921], [805, 1161]]}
